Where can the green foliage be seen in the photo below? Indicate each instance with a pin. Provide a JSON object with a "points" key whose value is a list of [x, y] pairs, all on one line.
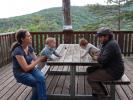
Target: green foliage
{"points": [[89, 17]]}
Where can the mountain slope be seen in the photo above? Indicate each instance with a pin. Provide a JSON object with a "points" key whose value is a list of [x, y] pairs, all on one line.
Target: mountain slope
{"points": [[83, 18]]}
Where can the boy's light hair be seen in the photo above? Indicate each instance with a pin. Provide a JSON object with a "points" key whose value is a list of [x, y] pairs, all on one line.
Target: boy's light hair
{"points": [[50, 39], [83, 42]]}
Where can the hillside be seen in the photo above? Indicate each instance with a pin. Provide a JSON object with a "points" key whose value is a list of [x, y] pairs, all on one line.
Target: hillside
{"points": [[83, 18]]}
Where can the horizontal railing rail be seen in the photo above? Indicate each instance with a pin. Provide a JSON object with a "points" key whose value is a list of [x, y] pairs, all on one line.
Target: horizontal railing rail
{"points": [[124, 38]]}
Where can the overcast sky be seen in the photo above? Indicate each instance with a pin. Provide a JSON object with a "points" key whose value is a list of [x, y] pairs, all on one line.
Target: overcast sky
{"points": [[10, 8]]}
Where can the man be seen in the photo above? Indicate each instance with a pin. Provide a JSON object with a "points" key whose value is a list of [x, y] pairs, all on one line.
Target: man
{"points": [[110, 60]]}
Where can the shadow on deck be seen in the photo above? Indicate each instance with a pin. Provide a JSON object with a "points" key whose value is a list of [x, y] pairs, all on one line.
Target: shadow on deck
{"points": [[59, 84]]}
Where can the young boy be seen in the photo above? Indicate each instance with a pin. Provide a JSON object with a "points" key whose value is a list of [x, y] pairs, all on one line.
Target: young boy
{"points": [[91, 49], [49, 49]]}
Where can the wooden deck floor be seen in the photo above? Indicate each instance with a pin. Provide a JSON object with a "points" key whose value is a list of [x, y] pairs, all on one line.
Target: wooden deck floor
{"points": [[58, 84]]}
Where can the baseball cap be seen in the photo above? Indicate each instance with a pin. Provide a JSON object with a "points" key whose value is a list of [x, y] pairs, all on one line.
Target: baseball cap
{"points": [[104, 31]]}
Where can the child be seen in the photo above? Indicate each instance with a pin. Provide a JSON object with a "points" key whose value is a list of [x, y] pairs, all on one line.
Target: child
{"points": [[49, 49], [91, 49]]}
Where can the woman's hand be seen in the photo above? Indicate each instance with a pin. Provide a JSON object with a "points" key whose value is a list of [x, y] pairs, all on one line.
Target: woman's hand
{"points": [[25, 66], [42, 58]]}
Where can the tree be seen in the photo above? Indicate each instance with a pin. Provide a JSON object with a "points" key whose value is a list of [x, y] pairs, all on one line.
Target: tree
{"points": [[119, 3]]}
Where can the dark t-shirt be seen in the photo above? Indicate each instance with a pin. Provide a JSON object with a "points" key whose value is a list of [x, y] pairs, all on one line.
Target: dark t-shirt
{"points": [[17, 70], [111, 59]]}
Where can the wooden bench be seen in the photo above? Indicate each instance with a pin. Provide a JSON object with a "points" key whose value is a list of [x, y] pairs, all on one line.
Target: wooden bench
{"points": [[111, 89]]}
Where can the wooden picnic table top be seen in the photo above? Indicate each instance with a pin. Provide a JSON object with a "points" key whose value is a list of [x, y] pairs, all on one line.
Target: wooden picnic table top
{"points": [[71, 55]]}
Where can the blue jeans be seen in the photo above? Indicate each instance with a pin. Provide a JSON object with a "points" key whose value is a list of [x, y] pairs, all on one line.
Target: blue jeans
{"points": [[35, 79]]}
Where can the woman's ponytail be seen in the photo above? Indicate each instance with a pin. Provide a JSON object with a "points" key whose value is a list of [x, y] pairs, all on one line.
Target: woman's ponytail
{"points": [[14, 45], [20, 34]]}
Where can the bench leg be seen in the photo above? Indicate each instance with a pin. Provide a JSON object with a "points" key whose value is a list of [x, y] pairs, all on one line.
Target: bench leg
{"points": [[112, 92], [72, 81]]}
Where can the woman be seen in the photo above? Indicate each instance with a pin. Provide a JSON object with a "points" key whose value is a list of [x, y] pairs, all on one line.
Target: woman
{"points": [[24, 62]]}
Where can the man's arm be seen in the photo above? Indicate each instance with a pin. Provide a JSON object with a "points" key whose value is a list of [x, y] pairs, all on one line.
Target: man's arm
{"points": [[106, 56]]}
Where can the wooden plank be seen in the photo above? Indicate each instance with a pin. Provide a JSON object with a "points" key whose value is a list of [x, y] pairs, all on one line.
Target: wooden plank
{"points": [[33, 40], [5, 78], [54, 82], [87, 87], [6, 83], [5, 68], [129, 44], [66, 87], [60, 50], [59, 87], [7, 72], [18, 92], [124, 80], [37, 43], [79, 84], [125, 44], [60, 84], [4, 90], [121, 93], [41, 42], [24, 94], [127, 91], [48, 81], [29, 96], [11, 91], [117, 96]]}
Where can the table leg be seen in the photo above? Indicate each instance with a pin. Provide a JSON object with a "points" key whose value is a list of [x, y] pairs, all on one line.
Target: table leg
{"points": [[72, 80], [112, 92]]}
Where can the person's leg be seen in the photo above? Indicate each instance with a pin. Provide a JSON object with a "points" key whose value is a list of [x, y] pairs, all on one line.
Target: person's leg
{"points": [[100, 75], [41, 88], [34, 94], [29, 80]]}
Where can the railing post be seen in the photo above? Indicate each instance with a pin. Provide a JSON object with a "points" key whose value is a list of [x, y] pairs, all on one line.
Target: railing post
{"points": [[121, 40], [68, 36]]}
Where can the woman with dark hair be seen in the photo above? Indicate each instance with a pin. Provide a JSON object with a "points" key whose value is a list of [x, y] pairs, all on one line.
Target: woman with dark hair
{"points": [[24, 62]]}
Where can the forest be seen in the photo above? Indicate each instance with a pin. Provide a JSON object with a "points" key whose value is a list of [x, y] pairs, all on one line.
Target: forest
{"points": [[84, 18]]}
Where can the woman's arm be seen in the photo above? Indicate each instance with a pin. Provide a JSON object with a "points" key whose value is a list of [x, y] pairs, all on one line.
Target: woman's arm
{"points": [[34, 56], [21, 60]]}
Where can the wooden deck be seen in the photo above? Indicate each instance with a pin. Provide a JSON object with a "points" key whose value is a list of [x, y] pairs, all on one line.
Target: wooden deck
{"points": [[59, 84]]}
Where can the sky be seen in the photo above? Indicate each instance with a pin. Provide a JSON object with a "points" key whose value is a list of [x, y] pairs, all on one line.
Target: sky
{"points": [[11, 8]]}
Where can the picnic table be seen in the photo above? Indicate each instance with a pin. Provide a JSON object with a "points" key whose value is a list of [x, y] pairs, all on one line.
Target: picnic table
{"points": [[71, 56], [73, 60]]}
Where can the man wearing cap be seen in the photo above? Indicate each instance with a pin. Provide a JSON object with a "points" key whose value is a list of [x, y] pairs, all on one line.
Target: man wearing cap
{"points": [[110, 60]]}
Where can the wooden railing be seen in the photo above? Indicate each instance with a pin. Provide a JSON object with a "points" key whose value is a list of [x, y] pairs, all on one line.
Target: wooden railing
{"points": [[6, 39], [124, 38]]}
